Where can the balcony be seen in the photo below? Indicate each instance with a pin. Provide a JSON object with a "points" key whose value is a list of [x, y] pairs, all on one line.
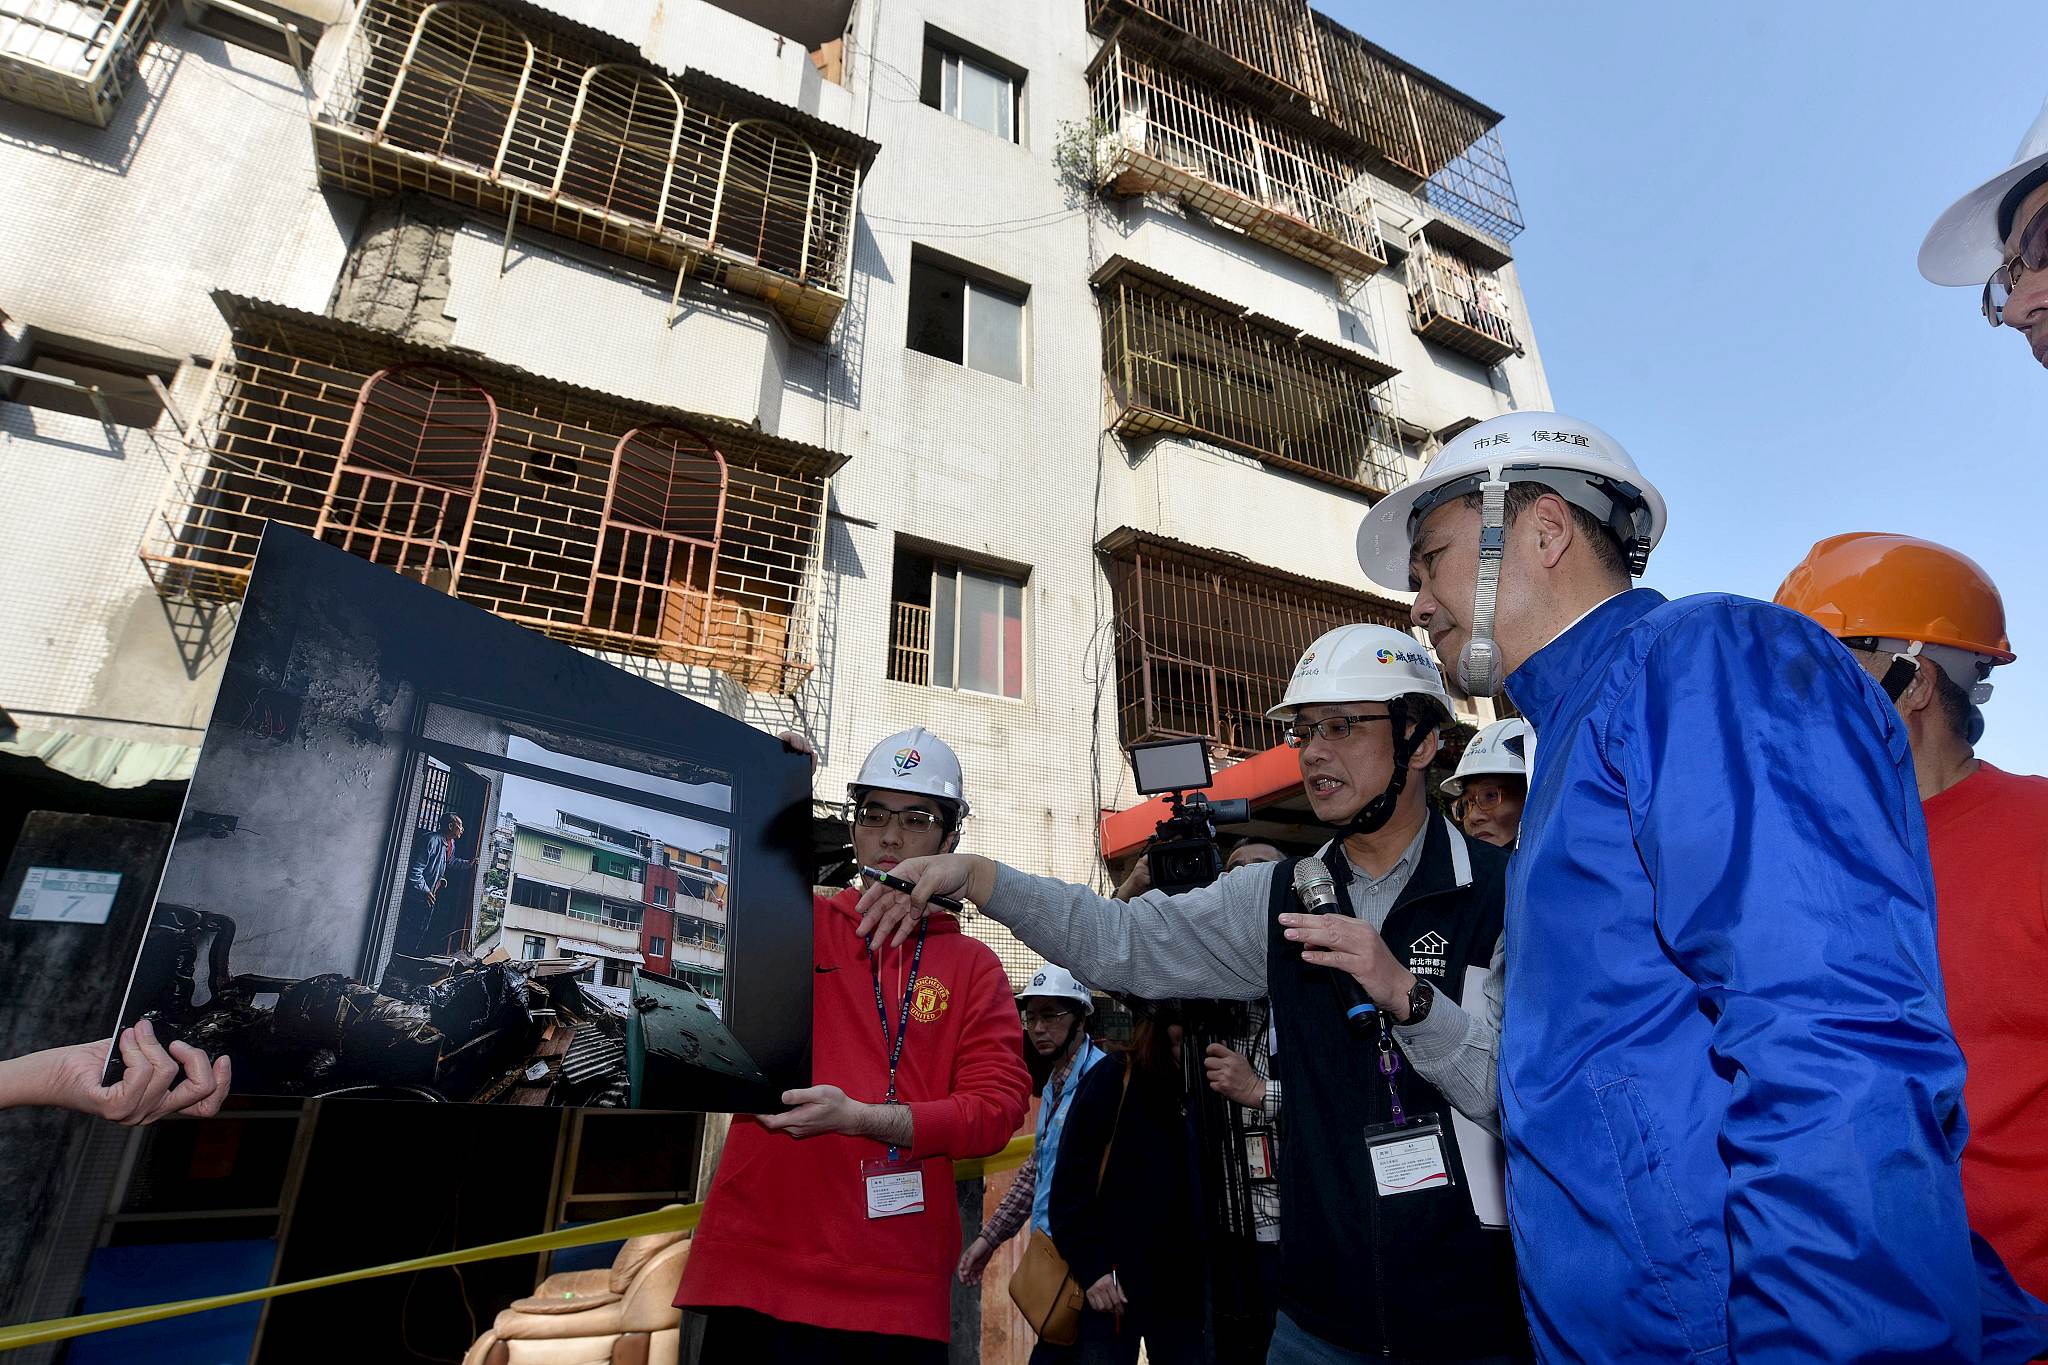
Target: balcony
{"points": [[73, 57], [1205, 642], [567, 131], [1337, 90], [1455, 298], [604, 523], [1164, 134], [1184, 363]]}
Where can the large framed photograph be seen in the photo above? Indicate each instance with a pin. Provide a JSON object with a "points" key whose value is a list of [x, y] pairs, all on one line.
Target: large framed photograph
{"points": [[429, 854]]}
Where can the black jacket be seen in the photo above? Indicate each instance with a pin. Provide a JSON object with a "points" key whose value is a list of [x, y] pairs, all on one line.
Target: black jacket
{"points": [[1416, 1275], [1146, 1221]]}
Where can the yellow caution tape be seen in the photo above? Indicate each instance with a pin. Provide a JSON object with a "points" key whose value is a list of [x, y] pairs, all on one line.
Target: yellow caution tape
{"points": [[674, 1218]]}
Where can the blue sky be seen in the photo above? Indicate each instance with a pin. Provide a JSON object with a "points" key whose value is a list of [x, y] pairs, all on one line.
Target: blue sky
{"points": [[1724, 203]]}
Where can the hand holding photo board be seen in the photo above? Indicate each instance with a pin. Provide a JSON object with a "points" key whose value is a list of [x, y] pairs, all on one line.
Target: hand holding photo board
{"points": [[429, 854]]}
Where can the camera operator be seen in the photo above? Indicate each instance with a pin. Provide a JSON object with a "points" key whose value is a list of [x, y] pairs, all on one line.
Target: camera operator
{"points": [[1391, 1239]]}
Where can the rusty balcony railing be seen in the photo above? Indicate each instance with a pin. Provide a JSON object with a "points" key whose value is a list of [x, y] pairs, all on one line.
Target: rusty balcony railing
{"points": [[1163, 133], [1205, 642], [1460, 305], [73, 57], [1337, 90], [1180, 362], [569, 132], [604, 523]]}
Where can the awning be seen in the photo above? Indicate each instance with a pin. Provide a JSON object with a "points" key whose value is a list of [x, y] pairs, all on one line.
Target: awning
{"points": [[1265, 779], [106, 762], [585, 949]]}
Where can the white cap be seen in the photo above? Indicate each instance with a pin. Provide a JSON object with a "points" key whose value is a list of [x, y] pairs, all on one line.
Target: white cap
{"points": [[1362, 663], [1053, 982], [915, 761], [1500, 750], [1964, 245], [1587, 468]]}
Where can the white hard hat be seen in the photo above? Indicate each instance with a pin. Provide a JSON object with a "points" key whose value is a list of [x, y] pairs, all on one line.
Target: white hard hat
{"points": [[1587, 468], [915, 761], [1965, 245], [1362, 663], [1052, 982], [1500, 750]]}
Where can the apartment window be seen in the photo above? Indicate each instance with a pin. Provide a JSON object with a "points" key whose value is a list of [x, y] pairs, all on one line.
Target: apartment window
{"points": [[968, 321], [661, 895], [532, 948], [72, 378], [551, 852], [957, 625], [536, 895], [615, 973], [657, 946], [973, 90]]}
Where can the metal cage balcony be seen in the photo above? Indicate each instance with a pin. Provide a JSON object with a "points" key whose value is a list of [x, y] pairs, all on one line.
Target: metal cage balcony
{"points": [[1456, 298], [73, 57], [1205, 642], [554, 130], [598, 521], [1181, 362], [1165, 134]]}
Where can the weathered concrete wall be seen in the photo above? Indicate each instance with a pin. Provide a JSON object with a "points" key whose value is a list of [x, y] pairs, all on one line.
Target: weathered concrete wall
{"points": [[396, 276]]}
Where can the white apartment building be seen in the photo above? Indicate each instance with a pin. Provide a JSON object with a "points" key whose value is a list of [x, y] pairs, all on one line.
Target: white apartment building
{"points": [[1021, 371]]}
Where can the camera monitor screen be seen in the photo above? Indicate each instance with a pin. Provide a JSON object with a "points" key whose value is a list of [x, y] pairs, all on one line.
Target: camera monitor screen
{"points": [[1171, 765]]}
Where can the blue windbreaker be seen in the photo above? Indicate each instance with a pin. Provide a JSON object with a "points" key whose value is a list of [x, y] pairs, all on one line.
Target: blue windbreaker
{"points": [[1731, 1100]]}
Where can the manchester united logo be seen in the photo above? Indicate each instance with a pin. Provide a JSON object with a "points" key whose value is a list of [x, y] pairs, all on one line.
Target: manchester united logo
{"points": [[929, 999]]}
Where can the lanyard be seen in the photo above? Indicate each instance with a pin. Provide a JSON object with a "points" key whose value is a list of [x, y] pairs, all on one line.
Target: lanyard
{"points": [[1390, 1067], [1049, 1113], [895, 1048]]}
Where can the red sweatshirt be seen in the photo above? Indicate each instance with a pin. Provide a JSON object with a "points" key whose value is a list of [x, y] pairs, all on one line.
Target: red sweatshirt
{"points": [[1987, 837], [786, 1231]]}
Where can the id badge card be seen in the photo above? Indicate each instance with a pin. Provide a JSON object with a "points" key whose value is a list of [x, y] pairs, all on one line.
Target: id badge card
{"points": [[1408, 1157], [1258, 1154], [893, 1188]]}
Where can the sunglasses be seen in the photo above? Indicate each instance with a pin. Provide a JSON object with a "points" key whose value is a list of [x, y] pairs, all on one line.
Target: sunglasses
{"points": [[2031, 256]]}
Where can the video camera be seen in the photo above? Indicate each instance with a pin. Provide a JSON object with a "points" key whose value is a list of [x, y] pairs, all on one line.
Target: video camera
{"points": [[1182, 852]]}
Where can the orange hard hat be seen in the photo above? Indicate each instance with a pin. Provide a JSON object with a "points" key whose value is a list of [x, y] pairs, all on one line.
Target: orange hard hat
{"points": [[1868, 583]]}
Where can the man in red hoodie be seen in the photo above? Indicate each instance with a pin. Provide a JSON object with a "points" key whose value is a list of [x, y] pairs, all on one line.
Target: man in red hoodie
{"points": [[1930, 626], [832, 1230]]}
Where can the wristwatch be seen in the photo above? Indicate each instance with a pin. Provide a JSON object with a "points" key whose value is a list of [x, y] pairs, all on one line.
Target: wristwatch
{"points": [[1421, 996]]}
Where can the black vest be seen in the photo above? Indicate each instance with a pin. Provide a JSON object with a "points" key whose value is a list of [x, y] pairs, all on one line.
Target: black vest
{"points": [[1414, 1275]]}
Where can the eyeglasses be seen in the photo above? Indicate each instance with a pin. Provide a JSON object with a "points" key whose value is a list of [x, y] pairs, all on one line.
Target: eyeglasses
{"points": [[1481, 799], [872, 816], [1031, 1017], [1300, 732], [2032, 256]]}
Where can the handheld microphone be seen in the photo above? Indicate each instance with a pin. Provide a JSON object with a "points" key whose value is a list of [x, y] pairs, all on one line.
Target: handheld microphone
{"points": [[1317, 892]]}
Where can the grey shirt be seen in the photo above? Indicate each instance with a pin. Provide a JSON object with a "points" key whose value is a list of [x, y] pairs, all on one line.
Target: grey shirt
{"points": [[1210, 943]]}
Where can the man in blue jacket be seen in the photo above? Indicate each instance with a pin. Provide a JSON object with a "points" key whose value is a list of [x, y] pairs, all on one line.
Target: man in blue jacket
{"points": [[1731, 1098]]}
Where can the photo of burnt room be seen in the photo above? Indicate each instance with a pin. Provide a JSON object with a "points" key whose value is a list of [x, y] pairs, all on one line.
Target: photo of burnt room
{"points": [[428, 854]]}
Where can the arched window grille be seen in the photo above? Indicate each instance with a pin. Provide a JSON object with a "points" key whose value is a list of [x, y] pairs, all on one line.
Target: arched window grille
{"points": [[405, 490], [767, 196], [459, 87], [657, 561], [620, 152]]}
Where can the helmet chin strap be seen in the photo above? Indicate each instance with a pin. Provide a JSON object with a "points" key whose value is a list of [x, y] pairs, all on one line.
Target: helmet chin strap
{"points": [[1374, 814], [1479, 660]]}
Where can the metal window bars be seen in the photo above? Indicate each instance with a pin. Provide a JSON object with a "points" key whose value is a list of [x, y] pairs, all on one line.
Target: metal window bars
{"points": [[1180, 363], [405, 488], [1166, 134], [657, 555], [519, 117], [594, 520], [1205, 642], [1460, 305], [73, 57], [1338, 89]]}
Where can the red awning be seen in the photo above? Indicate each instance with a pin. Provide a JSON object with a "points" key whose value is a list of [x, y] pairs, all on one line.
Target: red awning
{"points": [[1264, 779]]}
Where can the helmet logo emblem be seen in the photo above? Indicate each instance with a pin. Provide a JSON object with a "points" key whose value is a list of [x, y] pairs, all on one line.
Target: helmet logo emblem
{"points": [[1385, 656], [905, 760]]}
